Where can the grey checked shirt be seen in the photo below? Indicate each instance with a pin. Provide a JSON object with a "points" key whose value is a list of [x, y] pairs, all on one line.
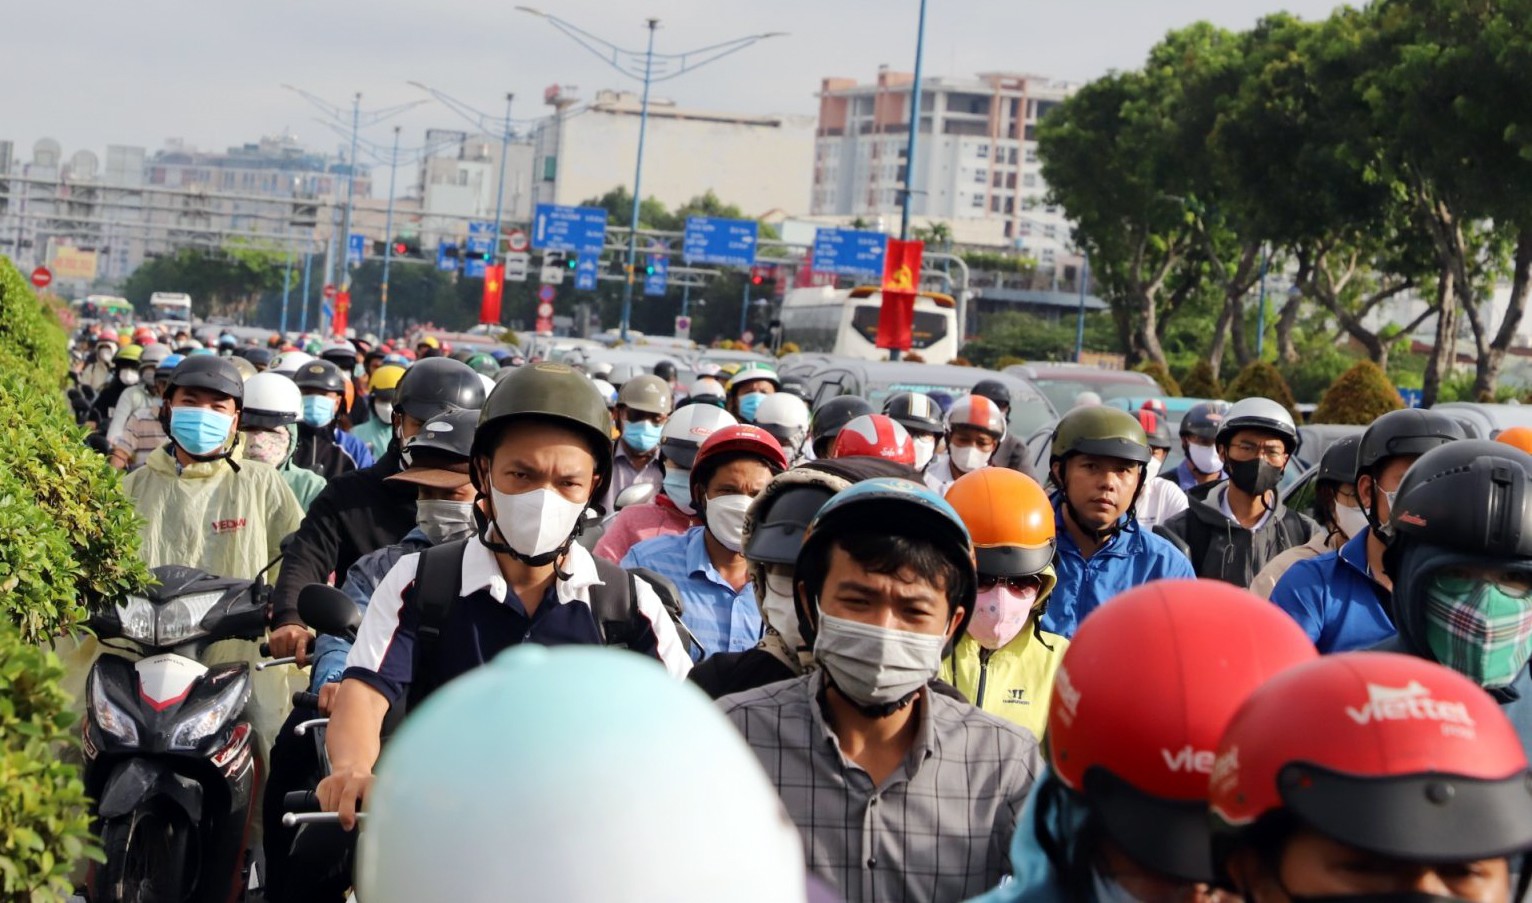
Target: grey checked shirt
{"points": [[939, 829]]}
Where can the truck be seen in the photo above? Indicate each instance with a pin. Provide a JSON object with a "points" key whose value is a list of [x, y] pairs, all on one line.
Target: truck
{"points": [[172, 309]]}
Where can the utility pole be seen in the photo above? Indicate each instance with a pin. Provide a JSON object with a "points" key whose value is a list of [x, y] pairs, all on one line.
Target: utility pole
{"points": [[912, 142], [388, 239]]}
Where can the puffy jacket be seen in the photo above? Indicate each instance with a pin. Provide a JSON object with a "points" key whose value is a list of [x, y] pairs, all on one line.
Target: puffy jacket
{"points": [[1220, 549], [1132, 557], [319, 451], [1318, 544], [356, 514], [356, 448], [1335, 600], [1013, 682], [636, 523], [361, 579]]}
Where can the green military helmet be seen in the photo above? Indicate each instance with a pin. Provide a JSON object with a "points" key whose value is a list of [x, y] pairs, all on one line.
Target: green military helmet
{"points": [[552, 392], [1100, 430]]}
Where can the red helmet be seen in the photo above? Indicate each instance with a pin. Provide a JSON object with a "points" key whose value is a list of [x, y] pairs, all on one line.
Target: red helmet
{"points": [[1156, 405], [1140, 699], [874, 436], [977, 411], [741, 438], [1388, 753]]}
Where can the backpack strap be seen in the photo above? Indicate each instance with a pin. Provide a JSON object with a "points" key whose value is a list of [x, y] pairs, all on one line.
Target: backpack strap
{"points": [[438, 583], [615, 604]]}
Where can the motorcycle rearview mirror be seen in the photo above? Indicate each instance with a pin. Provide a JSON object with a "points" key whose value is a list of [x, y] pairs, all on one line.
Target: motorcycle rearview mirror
{"points": [[328, 610], [637, 494]]}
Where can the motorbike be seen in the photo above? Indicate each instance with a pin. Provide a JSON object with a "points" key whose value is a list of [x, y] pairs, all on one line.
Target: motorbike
{"points": [[169, 758]]}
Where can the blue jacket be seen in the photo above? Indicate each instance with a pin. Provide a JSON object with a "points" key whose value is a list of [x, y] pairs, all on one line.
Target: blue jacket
{"points": [[1335, 600], [363, 577], [354, 447], [1133, 557]]}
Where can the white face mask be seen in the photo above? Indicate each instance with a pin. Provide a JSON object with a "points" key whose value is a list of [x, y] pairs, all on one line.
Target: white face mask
{"points": [[129, 377], [726, 519], [443, 520], [876, 666], [968, 458], [1205, 458], [1152, 469], [536, 522], [384, 410], [778, 608], [925, 449], [1351, 521]]}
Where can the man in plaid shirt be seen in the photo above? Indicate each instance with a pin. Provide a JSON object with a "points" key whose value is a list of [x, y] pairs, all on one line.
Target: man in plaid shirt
{"points": [[900, 793]]}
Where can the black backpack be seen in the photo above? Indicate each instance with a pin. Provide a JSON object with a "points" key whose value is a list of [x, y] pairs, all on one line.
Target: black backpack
{"points": [[614, 604]]}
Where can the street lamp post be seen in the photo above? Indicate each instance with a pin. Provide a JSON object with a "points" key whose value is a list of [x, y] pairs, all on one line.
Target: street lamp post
{"points": [[388, 238], [638, 175], [1260, 327], [912, 142], [303, 309], [343, 272], [1080, 320], [505, 150]]}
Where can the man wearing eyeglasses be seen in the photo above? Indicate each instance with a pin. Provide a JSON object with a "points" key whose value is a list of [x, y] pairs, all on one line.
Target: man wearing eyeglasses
{"points": [[1235, 529]]}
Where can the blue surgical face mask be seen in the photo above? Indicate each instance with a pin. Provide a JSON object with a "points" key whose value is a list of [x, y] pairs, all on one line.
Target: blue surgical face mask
{"points": [[678, 487], [200, 431], [749, 404], [642, 435], [318, 410]]}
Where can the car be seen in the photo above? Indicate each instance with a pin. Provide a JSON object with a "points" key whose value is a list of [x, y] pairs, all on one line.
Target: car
{"points": [[1063, 383], [723, 357], [876, 380], [642, 359], [1486, 421]]}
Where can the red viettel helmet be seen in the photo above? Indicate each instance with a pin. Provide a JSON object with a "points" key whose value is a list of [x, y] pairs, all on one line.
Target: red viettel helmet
{"points": [[1156, 405], [977, 411], [741, 438], [874, 436], [1390, 753], [1140, 699]]}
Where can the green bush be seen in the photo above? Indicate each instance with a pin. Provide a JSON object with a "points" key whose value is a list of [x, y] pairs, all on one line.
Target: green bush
{"points": [[44, 813], [1262, 380], [1358, 396], [1315, 369], [1161, 375], [1008, 360], [1200, 382]]}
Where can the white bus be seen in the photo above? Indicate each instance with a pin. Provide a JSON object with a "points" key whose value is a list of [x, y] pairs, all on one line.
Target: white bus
{"points": [[173, 309], [844, 322]]}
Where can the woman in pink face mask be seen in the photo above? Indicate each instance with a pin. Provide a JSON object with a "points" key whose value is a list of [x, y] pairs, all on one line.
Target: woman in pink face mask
{"points": [[1004, 662]]}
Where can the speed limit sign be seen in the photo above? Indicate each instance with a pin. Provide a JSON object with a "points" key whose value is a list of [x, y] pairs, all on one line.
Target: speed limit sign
{"points": [[545, 309]]}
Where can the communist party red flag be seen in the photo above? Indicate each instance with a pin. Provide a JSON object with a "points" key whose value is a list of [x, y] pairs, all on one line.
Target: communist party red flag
{"points": [[342, 312], [494, 283], [901, 281]]}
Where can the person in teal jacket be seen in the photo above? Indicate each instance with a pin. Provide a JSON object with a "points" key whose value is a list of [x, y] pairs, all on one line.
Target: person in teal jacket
{"points": [[272, 405]]}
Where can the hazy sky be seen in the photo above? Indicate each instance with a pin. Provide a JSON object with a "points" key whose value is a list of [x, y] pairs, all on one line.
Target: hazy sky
{"points": [[97, 72]]}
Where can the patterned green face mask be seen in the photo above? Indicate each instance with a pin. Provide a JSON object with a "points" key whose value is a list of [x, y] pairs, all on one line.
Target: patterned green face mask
{"points": [[1479, 628]]}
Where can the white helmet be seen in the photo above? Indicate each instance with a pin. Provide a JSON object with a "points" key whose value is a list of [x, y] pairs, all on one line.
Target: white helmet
{"points": [[688, 428], [289, 361], [271, 400], [489, 384], [607, 390], [708, 388], [785, 417], [465, 807]]}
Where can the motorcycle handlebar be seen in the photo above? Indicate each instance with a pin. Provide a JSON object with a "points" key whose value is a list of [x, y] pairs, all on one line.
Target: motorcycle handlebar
{"points": [[300, 801]]}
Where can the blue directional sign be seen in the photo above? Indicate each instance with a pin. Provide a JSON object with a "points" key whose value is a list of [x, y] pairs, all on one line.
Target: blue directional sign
{"points": [[657, 279], [849, 252], [481, 246], [446, 258], [587, 268], [727, 242], [578, 229], [1413, 398], [356, 246]]}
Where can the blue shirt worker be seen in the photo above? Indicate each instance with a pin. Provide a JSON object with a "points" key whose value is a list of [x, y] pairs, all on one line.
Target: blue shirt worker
{"points": [[1099, 462], [706, 563]]}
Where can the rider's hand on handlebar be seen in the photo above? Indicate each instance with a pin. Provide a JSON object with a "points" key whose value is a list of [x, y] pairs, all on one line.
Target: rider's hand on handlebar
{"points": [[292, 640], [327, 698], [342, 792]]}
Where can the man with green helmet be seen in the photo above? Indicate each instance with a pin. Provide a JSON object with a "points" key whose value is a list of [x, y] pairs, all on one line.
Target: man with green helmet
{"points": [[541, 457], [1098, 465]]}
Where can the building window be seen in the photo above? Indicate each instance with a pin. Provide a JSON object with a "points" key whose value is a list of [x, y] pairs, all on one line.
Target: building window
{"points": [[999, 179], [978, 202], [994, 205], [981, 151], [1029, 180], [981, 176], [1010, 156], [1031, 154]]}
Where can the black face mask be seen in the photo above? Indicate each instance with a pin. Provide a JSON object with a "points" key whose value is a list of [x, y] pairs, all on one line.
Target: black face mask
{"points": [[1254, 477], [1411, 896]]}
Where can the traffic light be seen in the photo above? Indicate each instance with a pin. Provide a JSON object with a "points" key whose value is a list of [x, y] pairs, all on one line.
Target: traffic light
{"points": [[400, 249], [571, 262]]}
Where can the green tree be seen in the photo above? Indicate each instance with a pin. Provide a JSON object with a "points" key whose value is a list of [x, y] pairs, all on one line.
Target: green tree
{"points": [[1261, 379], [224, 282], [1161, 375], [1358, 396], [1201, 382]]}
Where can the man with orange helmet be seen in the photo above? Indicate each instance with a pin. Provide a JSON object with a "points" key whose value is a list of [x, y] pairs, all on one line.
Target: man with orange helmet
{"points": [[1371, 776], [975, 429], [1517, 437], [1005, 662], [874, 436], [1140, 700]]}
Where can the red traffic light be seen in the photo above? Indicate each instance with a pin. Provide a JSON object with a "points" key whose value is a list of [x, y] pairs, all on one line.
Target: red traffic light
{"points": [[400, 249]]}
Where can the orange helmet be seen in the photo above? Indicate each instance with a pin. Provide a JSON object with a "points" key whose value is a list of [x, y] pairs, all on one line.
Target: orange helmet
{"points": [[1010, 519], [1517, 437]]}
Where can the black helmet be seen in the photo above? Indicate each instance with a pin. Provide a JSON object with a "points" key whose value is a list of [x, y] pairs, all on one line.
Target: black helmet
{"points": [[665, 370], [915, 412], [792, 385], [1410, 431], [260, 357], [321, 375], [1259, 414], [447, 435], [206, 371], [830, 416], [437, 384], [1203, 419], [1100, 430], [552, 392], [994, 390], [461, 355], [1338, 463]]}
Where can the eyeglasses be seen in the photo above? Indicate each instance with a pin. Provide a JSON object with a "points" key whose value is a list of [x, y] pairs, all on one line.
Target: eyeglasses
{"points": [[1275, 453], [1014, 584]]}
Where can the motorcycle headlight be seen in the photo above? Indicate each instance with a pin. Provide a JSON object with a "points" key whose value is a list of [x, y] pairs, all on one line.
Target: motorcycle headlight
{"points": [[111, 716], [137, 617], [180, 619], [212, 715]]}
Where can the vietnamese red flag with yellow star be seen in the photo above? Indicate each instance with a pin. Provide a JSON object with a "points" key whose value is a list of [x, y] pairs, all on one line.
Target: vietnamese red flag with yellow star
{"points": [[901, 283], [494, 284], [342, 312]]}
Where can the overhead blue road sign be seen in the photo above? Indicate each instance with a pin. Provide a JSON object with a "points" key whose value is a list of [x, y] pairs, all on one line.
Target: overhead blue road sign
{"points": [[578, 229], [587, 268], [446, 260], [657, 278], [356, 246], [849, 252], [726, 242], [480, 248]]}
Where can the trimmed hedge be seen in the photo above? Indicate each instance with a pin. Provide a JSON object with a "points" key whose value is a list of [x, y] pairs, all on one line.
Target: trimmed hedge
{"points": [[1161, 374], [1201, 383], [1262, 380], [1358, 396]]}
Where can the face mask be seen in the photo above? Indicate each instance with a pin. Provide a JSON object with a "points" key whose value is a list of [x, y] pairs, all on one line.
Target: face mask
{"points": [[925, 450], [1385, 529], [200, 431], [877, 667], [641, 435], [267, 446], [536, 522], [726, 519], [129, 377], [778, 609], [1351, 521], [1254, 477], [105, 355], [383, 410], [1478, 629], [1152, 469], [678, 486], [968, 458], [1204, 458], [318, 410], [1000, 614], [442, 520], [749, 403]]}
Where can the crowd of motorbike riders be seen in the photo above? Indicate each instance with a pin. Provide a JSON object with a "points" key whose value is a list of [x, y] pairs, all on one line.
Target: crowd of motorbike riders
{"points": [[960, 675]]}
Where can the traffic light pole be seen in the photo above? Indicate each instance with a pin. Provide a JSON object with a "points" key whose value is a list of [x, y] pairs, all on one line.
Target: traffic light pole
{"points": [[505, 150], [638, 175], [388, 240]]}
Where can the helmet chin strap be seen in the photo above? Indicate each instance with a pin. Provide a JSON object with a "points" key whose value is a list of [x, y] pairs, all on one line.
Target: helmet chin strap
{"points": [[878, 710], [489, 535], [226, 455]]}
